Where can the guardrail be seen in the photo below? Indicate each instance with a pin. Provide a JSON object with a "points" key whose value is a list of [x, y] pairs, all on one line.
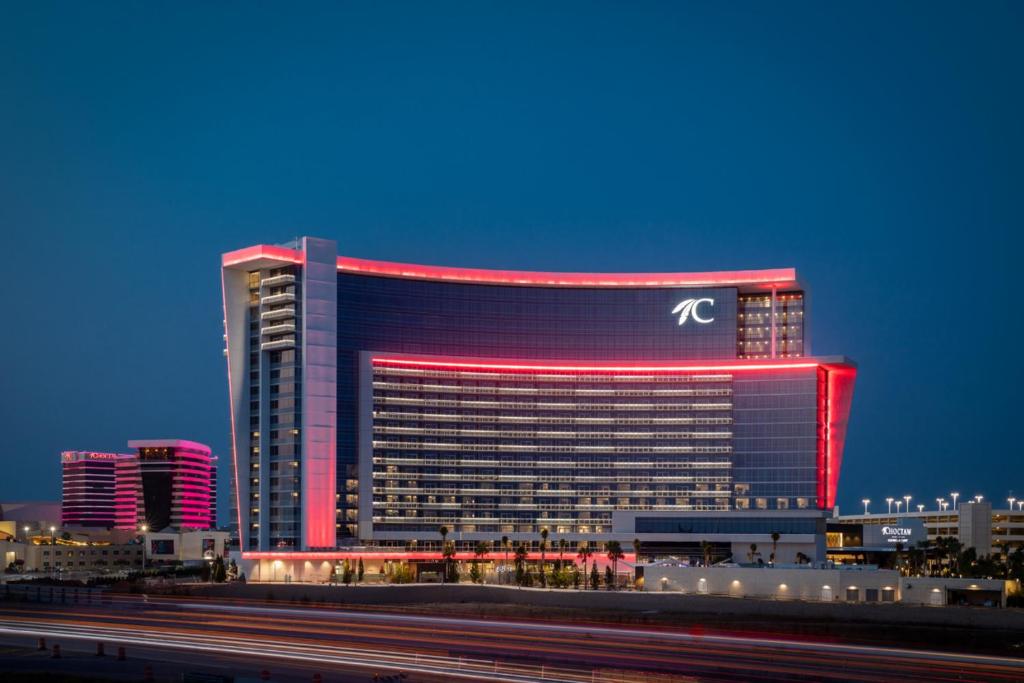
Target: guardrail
{"points": [[68, 595]]}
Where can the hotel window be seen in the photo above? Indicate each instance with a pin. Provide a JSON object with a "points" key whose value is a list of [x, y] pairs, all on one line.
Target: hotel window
{"points": [[782, 503], [761, 503], [802, 503]]}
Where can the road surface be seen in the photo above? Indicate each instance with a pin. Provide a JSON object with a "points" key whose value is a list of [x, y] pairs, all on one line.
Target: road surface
{"points": [[345, 643]]}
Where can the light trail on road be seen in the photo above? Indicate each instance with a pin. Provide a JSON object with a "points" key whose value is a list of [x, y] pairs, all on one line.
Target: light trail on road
{"points": [[485, 649]]}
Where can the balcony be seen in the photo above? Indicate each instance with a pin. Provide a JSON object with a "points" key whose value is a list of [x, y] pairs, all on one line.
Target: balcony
{"points": [[283, 298], [277, 280], [277, 344], [278, 313], [280, 328]]}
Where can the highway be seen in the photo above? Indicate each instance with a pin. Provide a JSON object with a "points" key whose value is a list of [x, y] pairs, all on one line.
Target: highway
{"points": [[456, 648]]}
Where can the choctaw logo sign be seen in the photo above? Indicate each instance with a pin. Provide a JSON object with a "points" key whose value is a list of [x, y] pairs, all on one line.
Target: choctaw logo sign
{"points": [[690, 309]]}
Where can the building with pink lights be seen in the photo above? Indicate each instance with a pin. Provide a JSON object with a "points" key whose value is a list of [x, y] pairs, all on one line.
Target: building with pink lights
{"points": [[165, 483], [373, 402], [88, 483]]}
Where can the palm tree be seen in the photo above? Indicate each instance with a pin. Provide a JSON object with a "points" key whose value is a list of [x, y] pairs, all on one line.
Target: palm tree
{"points": [[481, 550], [520, 563], [543, 548], [614, 549], [584, 554], [562, 545], [753, 552], [444, 546], [449, 555], [706, 548], [775, 544], [636, 559], [505, 545]]}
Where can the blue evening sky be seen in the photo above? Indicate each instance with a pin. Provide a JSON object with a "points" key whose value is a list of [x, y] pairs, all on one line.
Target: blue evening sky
{"points": [[876, 147]]}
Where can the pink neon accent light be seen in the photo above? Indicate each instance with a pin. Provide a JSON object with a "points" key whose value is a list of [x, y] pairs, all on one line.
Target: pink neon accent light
{"points": [[394, 555], [262, 251], [777, 276], [645, 366], [767, 278]]}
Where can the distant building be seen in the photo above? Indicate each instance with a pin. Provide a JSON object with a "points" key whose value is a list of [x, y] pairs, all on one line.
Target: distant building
{"points": [[88, 481], [974, 524], [166, 483]]}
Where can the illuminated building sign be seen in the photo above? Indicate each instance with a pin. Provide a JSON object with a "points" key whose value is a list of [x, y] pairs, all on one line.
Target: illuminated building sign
{"points": [[905, 531], [690, 308]]}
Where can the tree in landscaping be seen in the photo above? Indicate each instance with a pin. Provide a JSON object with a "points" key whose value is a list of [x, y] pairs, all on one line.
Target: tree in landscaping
{"points": [[481, 550], [346, 573], [614, 551], [520, 559], [543, 549], [706, 549], [474, 572], [360, 571], [443, 530], [595, 578], [584, 554], [775, 545], [218, 573], [506, 545], [451, 572], [609, 579], [636, 559]]}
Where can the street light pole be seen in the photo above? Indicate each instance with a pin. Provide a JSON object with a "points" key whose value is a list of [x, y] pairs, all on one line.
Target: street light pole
{"points": [[889, 501], [955, 496], [920, 507], [53, 551], [866, 501], [907, 498], [144, 528], [1011, 501], [898, 503]]}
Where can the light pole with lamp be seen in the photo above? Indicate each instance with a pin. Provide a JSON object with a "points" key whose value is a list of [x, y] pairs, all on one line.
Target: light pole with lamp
{"points": [[978, 498], [889, 501], [53, 552], [907, 498], [944, 504], [1011, 501], [866, 501], [938, 503], [920, 507], [954, 495], [144, 528], [898, 503]]}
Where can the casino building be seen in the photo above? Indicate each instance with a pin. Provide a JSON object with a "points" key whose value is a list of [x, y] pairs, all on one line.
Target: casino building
{"points": [[374, 402]]}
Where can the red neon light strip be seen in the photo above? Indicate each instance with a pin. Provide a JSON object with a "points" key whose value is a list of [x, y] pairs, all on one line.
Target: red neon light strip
{"points": [[524, 277], [766, 277], [492, 556], [593, 368]]}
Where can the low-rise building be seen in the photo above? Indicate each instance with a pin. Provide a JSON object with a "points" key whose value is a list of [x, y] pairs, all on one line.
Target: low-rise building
{"points": [[842, 583], [974, 524], [168, 547]]}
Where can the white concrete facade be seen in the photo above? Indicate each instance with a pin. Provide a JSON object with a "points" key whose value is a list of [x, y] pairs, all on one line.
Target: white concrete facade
{"points": [[781, 583]]}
